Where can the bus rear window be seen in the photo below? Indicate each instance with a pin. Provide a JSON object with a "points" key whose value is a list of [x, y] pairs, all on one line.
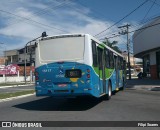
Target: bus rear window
{"points": [[62, 49]]}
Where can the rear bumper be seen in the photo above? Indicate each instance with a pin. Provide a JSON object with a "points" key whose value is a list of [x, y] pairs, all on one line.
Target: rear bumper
{"points": [[41, 91]]}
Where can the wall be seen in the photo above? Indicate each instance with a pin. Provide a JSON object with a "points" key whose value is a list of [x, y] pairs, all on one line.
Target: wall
{"points": [[153, 58], [14, 79], [153, 71], [2, 61], [11, 52]]}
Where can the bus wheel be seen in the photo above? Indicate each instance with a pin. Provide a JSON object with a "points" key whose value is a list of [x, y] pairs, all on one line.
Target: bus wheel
{"points": [[108, 96]]}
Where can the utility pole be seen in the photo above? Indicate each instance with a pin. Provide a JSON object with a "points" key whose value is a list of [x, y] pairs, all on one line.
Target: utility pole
{"points": [[25, 48], [31, 73], [123, 33]]}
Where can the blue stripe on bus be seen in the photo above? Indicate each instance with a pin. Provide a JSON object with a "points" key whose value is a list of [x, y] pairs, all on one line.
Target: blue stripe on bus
{"points": [[52, 81]]}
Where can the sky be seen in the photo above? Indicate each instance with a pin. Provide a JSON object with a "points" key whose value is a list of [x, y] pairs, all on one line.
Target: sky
{"points": [[24, 20]]}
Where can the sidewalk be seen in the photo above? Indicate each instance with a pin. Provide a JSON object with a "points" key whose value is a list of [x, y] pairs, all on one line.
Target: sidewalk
{"points": [[143, 84]]}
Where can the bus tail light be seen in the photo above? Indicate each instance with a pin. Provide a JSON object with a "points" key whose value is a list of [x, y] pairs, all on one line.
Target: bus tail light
{"points": [[88, 73]]}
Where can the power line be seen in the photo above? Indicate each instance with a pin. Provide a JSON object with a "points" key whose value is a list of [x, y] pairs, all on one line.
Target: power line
{"points": [[143, 29], [151, 17], [149, 10], [134, 31], [95, 11], [154, 2], [28, 19], [45, 10], [84, 14], [123, 18], [144, 17]]}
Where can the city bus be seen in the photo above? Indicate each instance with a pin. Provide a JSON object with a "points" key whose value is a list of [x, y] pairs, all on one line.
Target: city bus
{"points": [[74, 65]]}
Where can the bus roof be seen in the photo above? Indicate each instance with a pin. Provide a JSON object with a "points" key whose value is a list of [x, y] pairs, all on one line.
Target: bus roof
{"points": [[62, 35]]}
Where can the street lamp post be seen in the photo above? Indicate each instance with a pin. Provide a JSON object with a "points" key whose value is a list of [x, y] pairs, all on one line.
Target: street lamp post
{"points": [[43, 35]]}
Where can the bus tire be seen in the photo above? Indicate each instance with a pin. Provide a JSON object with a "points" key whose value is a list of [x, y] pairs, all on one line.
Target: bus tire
{"points": [[109, 94]]}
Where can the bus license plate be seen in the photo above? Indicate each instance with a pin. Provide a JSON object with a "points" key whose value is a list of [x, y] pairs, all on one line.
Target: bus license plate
{"points": [[62, 85]]}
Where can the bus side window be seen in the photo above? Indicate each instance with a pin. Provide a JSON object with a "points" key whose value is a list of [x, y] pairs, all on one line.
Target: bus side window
{"points": [[111, 60], [107, 58], [100, 53], [94, 54], [124, 64], [121, 63]]}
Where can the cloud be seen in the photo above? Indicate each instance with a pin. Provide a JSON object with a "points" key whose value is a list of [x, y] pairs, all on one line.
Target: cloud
{"points": [[70, 17], [29, 29]]}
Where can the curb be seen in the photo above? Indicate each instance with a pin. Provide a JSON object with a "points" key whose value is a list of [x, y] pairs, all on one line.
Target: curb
{"points": [[144, 87], [12, 98]]}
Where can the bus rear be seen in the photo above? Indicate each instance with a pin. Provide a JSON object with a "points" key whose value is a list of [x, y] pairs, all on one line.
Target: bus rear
{"points": [[60, 67]]}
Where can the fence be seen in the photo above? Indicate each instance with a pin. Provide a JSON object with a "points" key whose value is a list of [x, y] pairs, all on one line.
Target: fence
{"points": [[9, 79], [14, 73]]}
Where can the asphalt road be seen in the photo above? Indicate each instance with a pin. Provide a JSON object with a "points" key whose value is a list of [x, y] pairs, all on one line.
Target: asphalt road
{"points": [[128, 105], [15, 89]]}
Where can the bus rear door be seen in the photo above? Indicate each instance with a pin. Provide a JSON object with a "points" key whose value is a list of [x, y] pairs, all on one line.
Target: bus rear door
{"points": [[116, 70], [101, 64]]}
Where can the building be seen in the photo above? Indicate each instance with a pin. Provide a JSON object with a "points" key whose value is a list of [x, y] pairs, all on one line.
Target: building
{"points": [[146, 45], [11, 56], [2, 60], [18, 56], [133, 60], [135, 63]]}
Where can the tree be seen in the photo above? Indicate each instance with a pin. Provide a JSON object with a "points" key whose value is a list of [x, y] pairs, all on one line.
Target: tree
{"points": [[113, 45]]}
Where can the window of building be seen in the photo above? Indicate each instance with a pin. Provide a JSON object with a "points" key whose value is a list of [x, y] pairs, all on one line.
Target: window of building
{"points": [[21, 51], [15, 58]]}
